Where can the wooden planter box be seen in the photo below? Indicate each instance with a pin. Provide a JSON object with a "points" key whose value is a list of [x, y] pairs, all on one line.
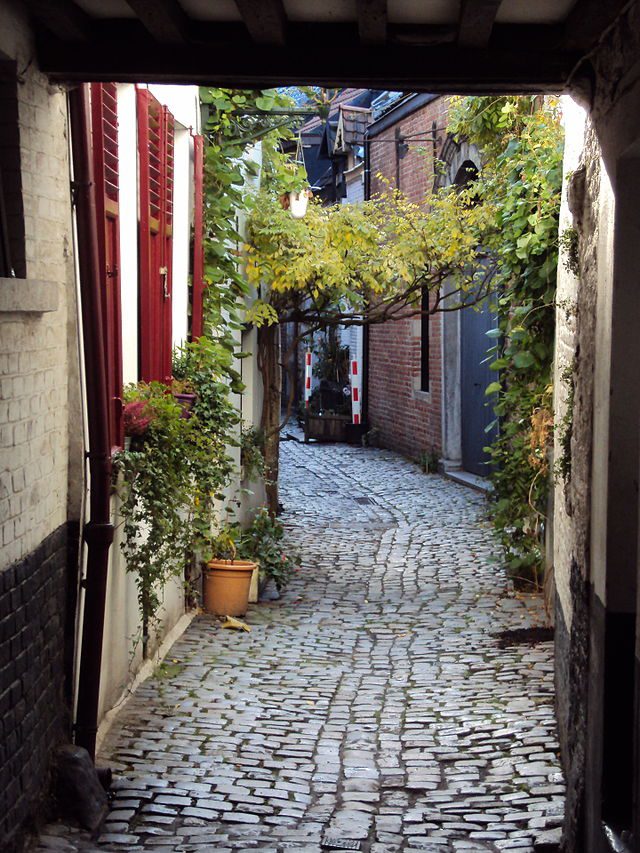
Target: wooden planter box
{"points": [[326, 427]]}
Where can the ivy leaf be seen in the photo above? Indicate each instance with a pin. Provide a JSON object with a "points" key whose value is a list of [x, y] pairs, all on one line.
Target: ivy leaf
{"points": [[264, 103], [524, 359], [492, 388]]}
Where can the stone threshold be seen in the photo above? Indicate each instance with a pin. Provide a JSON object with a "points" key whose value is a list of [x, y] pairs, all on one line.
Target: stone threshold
{"points": [[474, 481]]}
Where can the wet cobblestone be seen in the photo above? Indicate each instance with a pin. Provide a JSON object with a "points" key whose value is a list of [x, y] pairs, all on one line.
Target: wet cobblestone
{"points": [[371, 702]]}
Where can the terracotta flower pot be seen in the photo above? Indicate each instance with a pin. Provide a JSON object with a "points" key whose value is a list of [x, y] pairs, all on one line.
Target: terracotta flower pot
{"points": [[226, 587]]}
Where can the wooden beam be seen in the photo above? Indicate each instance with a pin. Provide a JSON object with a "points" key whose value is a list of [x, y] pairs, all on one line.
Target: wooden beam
{"points": [[266, 20], [62, 18], [165, 20], [372, 21], [230, 59], [476, 21], [421, 35], [588, 20]]}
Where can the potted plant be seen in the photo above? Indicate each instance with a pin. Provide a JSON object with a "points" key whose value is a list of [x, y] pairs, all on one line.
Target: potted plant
{"points": [[227, 580], [182, 384], [184, 394], [261, 542]]}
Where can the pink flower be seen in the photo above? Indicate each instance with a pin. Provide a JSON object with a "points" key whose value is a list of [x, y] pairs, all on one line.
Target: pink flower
{"points": [[136, 417]]}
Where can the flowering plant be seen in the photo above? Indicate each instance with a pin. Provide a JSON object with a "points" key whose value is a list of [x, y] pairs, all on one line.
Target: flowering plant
{"points": [[137, 416]]}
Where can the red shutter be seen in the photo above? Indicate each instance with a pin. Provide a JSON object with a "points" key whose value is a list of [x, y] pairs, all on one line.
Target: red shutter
{"points": [[104, 116], [156, 130], [197, 294]]}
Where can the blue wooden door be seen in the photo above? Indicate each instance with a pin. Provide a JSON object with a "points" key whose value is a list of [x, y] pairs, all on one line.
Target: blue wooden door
{"points": [[475, 376]]}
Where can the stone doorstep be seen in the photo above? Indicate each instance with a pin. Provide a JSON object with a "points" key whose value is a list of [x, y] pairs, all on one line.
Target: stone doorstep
{"points": [[466, 478]]}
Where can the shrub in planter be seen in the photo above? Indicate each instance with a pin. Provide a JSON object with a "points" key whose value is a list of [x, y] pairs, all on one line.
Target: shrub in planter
{"points": [[262, 543]]}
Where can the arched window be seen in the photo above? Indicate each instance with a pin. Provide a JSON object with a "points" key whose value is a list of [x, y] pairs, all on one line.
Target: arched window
{"points": [[467, 173]]}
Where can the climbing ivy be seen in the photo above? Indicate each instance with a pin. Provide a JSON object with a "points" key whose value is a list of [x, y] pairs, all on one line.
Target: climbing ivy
{"points": [[521, 140], [234, 121], [173, 473]]}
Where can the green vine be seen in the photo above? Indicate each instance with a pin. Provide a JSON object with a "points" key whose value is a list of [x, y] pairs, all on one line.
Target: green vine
{"points": [[172, 477], [569, 247], [521, 141], [562, 466], [252, 453]]}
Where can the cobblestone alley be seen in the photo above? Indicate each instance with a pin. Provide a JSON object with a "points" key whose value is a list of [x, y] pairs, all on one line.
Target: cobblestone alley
{"points": [[371, 703]]}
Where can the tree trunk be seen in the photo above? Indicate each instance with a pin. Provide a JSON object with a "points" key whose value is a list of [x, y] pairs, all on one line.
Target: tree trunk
{"points": [[269, 363]]}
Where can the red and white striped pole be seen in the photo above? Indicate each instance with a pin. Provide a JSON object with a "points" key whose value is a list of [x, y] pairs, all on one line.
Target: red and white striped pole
{"points": [[307, 377], [355, 392]]}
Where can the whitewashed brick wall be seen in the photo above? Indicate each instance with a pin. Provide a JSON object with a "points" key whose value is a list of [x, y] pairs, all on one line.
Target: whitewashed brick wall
{"points": [[38, 351]]}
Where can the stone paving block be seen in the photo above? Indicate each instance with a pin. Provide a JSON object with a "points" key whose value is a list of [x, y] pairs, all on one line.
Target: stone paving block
{"points": [[371, 700]]}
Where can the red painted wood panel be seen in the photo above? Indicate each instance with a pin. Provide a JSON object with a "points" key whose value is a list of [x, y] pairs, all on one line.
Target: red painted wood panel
{"points": [[104, 118], [156, 131], [197, 295]]}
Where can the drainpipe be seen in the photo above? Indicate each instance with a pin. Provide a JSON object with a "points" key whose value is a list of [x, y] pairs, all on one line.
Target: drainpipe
{"points": [[98, 532], [365, 329], [367, 165]]}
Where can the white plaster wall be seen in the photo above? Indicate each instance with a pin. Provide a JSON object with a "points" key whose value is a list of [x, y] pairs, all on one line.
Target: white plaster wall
{"points": [[122, 657], [183, 102], [251, 411], [128, 142], [600, 497], [122, 649], [250, 402], [574, 118], [569, 530], [182, 219]]}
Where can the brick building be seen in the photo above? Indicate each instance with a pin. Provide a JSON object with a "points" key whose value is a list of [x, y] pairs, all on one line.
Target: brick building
{"points": [[426, 378], [405, 359]]}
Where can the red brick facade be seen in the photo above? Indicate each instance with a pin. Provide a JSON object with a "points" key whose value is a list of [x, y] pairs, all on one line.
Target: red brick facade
{"points": [[408, 419]]}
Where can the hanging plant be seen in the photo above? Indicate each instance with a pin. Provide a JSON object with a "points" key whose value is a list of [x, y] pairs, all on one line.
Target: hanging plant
{"points": [[175, 471]]}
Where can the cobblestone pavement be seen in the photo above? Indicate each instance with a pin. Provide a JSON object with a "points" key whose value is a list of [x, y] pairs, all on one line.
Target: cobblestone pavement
{"points": [[371, 703]]}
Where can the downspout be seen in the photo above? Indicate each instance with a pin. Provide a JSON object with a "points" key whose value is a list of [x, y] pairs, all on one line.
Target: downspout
{"points": [[365, 328], [98, 532]]}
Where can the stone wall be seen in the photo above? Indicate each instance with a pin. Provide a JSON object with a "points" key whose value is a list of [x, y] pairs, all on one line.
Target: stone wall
{"points": [[408, 419], [595, 528], [587, 210]]}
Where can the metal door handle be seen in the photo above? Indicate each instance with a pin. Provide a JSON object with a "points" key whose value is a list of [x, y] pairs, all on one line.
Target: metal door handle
{"points": [[164, 272]]}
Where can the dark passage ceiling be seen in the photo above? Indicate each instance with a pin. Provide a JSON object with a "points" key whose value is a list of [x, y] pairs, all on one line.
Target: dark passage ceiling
{"points": [[439, 45]]}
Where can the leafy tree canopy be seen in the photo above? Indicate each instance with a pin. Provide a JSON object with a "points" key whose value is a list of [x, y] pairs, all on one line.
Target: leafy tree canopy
{"points": [[367, 263]]}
